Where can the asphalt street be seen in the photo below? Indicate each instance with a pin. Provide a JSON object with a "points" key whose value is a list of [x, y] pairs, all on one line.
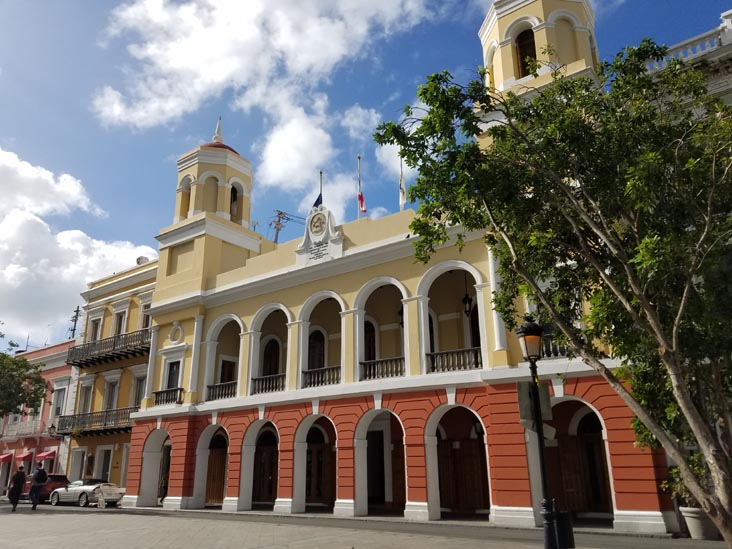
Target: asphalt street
{"points": [[73, 527]]}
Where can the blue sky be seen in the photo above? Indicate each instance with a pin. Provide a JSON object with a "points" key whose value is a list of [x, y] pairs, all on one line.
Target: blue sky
{"points": [[99, 98]]}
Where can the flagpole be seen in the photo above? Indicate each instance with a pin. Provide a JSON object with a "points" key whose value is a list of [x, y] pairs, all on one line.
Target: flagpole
{"points": [[321, 183], [358, 204]]}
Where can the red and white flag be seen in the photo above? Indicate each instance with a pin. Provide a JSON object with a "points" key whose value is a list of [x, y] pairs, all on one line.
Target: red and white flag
{"points": [[361, 202]]}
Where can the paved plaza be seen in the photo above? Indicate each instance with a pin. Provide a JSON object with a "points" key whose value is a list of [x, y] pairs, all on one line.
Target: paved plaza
{"points": [[120, 528]]}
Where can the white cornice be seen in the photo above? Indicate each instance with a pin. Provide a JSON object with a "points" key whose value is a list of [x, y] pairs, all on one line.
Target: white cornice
{"points": [[552, 368], [98, 304], [133, 279], [221, 157], [209, 226]]}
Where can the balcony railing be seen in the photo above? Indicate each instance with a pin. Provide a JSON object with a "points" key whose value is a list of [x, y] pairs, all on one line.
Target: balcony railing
{"points": [[454, 361], [169, 396], [114, 420], [27, 428], [689, 49], [322, 376], [110, 349], [221, 390], [549, 347], [268, 384], [382, 368]]}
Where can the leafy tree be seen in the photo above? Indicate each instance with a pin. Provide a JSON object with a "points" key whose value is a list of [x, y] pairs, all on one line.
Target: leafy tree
{"points": [[611, 191], [21, 384]]}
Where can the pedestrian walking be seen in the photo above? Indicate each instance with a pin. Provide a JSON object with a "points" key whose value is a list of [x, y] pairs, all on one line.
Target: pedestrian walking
{"points": [[16, 486], [38, 479]]}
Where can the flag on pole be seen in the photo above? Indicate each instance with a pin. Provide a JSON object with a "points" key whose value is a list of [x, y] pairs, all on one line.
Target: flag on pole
{"points": [[361, 200], [319, 200], [402, 188]]}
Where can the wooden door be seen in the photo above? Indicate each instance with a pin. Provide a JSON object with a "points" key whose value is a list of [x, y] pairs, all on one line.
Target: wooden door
{"points": [[216, 476], [264, 488], [320, 475], [463, 475]]}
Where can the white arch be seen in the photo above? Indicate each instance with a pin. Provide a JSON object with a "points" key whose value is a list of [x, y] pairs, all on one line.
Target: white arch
{"points": [[152, 453], [211, 173], [217, 325], [264, 311], [248, 448], [200, 476], [434, 272], [489, 52], [564, 14], [432, 464], [360, 471], [185, 183], [315, 299], [299, 473], [521, 24], [241, 187], [367, 289]]}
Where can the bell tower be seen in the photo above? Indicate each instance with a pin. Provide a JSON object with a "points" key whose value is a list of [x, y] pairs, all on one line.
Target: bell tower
{"points": [[558, 31], [210, 234]]}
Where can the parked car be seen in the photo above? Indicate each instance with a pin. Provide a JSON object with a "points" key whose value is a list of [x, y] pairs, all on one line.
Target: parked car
{"points": [[84, 492], [53, 482]]}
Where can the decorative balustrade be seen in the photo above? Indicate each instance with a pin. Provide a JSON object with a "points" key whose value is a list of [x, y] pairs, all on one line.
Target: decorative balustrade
{"points": [[322, 376], [382, 368], [689, 49], [109, 349], [268, 384], [221, 390], [169, 396], [31, 427], [104, 420], [454, 361]]}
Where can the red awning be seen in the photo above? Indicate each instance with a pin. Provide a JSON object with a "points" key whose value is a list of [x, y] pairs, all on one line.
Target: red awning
{"points": [[46, 455], [23, 457], [6, 457]]}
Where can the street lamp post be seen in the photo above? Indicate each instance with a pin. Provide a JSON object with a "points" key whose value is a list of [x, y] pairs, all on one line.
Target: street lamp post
{"points": [[529, 334]]}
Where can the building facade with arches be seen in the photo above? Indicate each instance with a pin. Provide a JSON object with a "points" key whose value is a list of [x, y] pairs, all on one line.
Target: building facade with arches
{"points": [[332, 373]]}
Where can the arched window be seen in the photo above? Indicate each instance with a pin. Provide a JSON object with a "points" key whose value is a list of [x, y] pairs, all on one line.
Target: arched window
{"points": [[525, 49], [271, 358], [316, 350], [369, 341], [234, 201]]}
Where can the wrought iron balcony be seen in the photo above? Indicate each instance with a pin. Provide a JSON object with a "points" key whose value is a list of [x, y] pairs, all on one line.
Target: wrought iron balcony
{"points": [[322, 376], [454, 361], [221, 390], [382, 368], [110, 349], [169, 396], [116, 420], [268, 384], [31, 427]]}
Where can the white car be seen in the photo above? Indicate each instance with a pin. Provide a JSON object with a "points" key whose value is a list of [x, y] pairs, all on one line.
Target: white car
{"points": [[84, 492]]}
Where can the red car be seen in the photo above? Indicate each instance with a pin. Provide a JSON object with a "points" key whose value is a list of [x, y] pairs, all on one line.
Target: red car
{"points": [[53, 482]]}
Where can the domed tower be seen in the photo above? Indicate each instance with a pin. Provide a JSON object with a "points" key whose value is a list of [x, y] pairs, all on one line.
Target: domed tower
{"points": [[515, 30], [210, 233]]}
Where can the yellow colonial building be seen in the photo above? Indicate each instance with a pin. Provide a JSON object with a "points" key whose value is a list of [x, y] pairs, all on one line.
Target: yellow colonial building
{"points": [[333, 372]]}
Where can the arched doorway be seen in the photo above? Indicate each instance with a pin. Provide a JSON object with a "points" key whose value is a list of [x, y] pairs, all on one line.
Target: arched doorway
{"points": [[266, 459], [314, 465], [577, 463], [379, 465], [216, 472], [155, 474], [462, 465]]}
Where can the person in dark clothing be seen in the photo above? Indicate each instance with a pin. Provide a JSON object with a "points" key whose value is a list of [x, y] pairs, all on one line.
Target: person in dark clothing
{"points": [[16, 487], [38, 479]]}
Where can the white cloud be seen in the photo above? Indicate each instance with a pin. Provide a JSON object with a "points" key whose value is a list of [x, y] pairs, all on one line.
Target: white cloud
{"points": [[602, 6], [42, 272], [37, 190], [360, 123], [339, 196], [388, 158], [378, 212]]}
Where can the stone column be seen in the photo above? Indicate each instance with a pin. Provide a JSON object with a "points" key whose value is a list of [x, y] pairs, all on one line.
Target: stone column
{"points": [[151, 365], [195, 358]]}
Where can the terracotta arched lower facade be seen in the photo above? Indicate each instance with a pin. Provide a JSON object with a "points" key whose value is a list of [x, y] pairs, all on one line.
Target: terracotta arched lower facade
{"points": [[434, 446]]}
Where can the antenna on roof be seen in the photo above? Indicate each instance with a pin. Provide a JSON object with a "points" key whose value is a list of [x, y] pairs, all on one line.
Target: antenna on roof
{"points": [[74, 320]]}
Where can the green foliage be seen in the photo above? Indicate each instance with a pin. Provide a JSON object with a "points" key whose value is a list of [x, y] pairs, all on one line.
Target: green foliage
{"points": [[21, 384], [611, 190]]}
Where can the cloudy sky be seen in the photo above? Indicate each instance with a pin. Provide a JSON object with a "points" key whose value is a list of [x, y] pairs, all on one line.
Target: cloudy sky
{"points": [[99, 98]]}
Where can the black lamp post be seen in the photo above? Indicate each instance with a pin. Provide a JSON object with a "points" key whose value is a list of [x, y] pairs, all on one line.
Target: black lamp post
{"points": [[529, 335]]}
